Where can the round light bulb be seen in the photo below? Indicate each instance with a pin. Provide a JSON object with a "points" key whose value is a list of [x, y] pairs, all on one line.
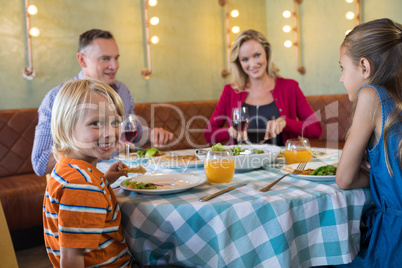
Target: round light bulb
{"points": [[349, 1], [154, 20], [287, 28], [152, 3], [32, 10], [235, 29], [235, 13], [155, 39], [34, 32], [288, 43], [350, 15], [287, 14]]}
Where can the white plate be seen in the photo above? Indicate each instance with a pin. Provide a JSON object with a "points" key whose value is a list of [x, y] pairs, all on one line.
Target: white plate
{"points": [[252, 161], [168, 161], [328, 154], [122, 156], [313, 165], [172, 183]]}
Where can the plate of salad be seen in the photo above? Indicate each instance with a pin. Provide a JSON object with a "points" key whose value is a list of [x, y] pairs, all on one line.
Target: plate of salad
{"points": [[162, 183], [142, 154], [247, 157], [314, 171]]}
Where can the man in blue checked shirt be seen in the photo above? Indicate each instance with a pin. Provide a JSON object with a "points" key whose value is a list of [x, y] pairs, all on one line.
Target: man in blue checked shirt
{"points": [[98, 55]]}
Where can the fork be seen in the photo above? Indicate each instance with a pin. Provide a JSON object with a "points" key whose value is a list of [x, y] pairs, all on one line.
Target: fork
{"points": [[298, 170]]}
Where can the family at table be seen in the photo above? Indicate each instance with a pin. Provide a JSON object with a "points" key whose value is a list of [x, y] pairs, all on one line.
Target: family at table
{"points": [[353, 221]]}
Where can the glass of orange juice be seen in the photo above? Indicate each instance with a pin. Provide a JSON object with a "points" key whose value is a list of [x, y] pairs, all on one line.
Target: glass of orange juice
{"points": [[297, 150], [219, 166]]}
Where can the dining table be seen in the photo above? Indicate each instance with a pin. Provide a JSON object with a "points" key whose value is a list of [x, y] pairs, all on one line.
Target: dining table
{"points": [[297, 223]]}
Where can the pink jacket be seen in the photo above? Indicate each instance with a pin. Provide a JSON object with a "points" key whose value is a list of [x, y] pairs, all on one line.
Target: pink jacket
{"points": [[290, 101]]}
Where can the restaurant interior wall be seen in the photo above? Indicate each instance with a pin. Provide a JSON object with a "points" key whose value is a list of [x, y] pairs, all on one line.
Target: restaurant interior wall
{"points": [[323, 27], [190, 56]]}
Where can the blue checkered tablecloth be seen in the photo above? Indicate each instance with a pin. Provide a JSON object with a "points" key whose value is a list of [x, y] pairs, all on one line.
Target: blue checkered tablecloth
{"points": [[298, 223]]}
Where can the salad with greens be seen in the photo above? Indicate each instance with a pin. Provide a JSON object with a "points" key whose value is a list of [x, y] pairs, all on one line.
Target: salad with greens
{"points": [[325, 170], [139, 185], [236, 150], [148, 153]]}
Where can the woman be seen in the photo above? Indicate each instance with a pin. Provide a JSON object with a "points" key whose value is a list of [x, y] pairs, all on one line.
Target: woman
{"points": [[278, 110]]}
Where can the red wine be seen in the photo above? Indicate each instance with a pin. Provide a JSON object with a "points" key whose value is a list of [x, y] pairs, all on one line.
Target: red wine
{"points": [[129, 135], [240, 124]]}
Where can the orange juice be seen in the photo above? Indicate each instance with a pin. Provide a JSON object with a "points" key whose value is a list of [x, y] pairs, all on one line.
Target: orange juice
{"points": [[219, 170], [297, 155]]}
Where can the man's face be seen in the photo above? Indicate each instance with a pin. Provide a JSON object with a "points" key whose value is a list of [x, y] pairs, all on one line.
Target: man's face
{"points": [[101, 60]]}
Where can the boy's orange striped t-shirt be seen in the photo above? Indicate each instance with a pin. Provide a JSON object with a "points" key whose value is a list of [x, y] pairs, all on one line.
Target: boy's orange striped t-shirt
{"points": [[81, 211]]}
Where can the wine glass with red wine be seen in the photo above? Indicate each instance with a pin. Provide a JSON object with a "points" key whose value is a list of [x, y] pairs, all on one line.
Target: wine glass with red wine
{"points": [[129, 132], [240, 120]]}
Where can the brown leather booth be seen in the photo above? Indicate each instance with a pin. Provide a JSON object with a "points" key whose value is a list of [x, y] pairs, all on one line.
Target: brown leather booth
{"points": [[21, 191]]}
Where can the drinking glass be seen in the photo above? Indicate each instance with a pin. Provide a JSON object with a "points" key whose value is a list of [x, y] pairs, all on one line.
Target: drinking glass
{"points": [[128, 133], [240, 120], [219, 166], [297, 150]]}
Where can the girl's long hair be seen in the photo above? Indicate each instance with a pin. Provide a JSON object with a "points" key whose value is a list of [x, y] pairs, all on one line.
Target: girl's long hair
{"points": [[380, 42]]}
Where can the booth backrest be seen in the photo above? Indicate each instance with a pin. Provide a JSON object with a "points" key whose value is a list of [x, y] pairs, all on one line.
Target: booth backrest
{"points": [[334, 112], [17, 129], [186, 119]]}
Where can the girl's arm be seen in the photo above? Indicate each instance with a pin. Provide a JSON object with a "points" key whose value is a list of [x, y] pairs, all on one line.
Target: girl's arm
{"points": [[71, 257], [366, 120]]}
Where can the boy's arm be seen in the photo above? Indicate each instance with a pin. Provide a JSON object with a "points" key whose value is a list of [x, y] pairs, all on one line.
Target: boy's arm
{"points": [[114, 172], [71, 257]]}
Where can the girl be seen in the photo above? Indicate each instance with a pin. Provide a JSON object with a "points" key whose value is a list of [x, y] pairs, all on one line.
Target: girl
{"points": [[277, 108], [371, 63]]}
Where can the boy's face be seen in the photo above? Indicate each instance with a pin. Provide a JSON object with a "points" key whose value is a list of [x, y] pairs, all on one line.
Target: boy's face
{"points": [[97, 130]]}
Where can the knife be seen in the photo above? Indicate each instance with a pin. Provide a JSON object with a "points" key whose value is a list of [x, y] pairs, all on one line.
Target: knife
{"points": [[209, 197]]}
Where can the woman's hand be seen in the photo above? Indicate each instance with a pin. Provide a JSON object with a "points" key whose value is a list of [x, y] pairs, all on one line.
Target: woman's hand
{"points": [[233, 133], [114, 172], [274, 127]]}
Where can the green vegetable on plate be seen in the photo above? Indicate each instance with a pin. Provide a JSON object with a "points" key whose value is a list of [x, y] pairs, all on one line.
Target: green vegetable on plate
{"points": [[139, 185], [325, 170]]}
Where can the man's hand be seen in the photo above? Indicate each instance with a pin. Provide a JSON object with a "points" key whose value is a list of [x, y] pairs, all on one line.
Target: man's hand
{"points": [[159, 136]]}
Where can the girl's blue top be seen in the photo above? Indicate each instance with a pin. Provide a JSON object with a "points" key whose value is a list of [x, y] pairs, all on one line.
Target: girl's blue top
{"points": [[381, 226]]}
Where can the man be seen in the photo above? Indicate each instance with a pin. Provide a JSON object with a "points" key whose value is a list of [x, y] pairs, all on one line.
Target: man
{"points": [[98, 56]]}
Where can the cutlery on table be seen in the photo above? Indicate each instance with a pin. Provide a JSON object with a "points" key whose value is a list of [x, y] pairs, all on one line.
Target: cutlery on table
{"points": [[298, 170], [209, 197], [249, 143]]}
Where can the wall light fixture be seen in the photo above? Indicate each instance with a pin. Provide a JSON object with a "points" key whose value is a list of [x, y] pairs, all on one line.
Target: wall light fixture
{"points": [[350, 15], [296, 29], [146, 72], [29, 72], [235, 29]]}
